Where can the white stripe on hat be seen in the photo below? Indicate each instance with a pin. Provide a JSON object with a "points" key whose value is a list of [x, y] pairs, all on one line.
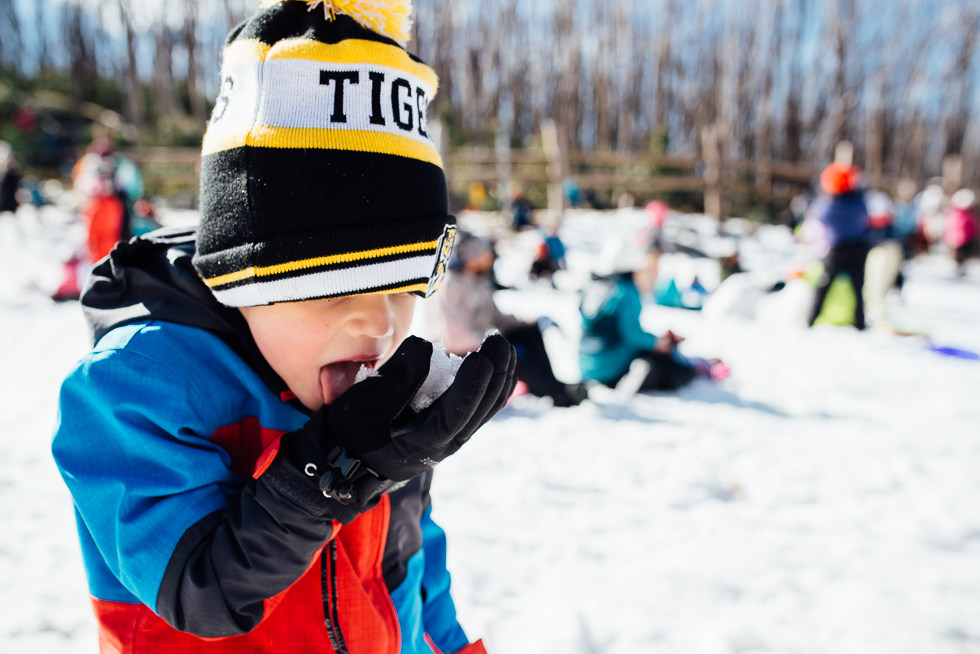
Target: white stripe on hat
{"points": [[343, 281], [298, 93]]}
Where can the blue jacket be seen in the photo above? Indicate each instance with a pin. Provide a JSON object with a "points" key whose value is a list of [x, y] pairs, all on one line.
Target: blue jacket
{"points": [[192, 536], [844, 216], [611, 333]]}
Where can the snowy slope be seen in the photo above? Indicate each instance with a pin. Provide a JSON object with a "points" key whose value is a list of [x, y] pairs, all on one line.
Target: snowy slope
{"points": [[823, 499]]}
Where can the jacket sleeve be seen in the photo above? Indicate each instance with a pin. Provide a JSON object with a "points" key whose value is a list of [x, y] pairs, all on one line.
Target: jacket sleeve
{"points": [[438, 609], [188, 537], [628, 312]]}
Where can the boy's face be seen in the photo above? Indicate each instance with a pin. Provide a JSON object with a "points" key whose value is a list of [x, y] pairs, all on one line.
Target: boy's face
{"points": [[318, 346]]}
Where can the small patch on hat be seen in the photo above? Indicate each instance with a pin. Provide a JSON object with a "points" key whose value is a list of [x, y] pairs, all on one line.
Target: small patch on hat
{"points": [[444, 248]]}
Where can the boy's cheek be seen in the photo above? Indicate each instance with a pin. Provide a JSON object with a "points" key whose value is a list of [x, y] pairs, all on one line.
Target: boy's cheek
{"points": [[403, 308]]}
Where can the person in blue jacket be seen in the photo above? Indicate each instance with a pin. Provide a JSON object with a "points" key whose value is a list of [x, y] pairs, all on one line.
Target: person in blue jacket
{"points": [[615, 349], [249, 467]]}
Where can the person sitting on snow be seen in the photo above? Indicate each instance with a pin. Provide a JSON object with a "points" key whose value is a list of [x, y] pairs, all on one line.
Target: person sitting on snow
{"points": [[844, 217], [236, 488], [550, 255], [615, 349], [465, 312], [9, 179]]}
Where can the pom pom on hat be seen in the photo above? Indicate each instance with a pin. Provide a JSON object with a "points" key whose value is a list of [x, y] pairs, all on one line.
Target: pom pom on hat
{"points": [[391, 18], [838, 178]]}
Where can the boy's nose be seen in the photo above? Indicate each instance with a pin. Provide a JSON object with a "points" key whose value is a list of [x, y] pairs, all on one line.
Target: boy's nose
{"points": [[371, 317]]}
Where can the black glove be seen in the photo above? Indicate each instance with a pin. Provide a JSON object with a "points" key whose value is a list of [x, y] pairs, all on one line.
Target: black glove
{"points": [[369, 441]]}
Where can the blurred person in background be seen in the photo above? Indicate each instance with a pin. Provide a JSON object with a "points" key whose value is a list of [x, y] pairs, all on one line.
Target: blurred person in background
{"points": [[521, 208], [884, 264], [465, 311], [962, 228], [932, 222], [798, 207], [906, 224], [110, 184], [725, 250], [844, 217], [550, 256], [9, 180], [615, 350]]}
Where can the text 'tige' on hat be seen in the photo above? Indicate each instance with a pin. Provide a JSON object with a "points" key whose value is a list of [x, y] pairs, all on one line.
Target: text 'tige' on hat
{"points": [[319, 177]]}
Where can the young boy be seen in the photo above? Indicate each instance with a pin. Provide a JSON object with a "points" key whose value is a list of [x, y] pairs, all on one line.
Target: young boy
{"points": [[235, 489]]}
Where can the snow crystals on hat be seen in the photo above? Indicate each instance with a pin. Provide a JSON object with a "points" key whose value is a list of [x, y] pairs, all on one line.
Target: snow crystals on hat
{"points": [[391, 18]]}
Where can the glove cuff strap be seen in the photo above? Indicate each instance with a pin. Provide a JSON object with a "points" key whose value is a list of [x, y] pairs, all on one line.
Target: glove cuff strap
{"points": [[339, 476]]}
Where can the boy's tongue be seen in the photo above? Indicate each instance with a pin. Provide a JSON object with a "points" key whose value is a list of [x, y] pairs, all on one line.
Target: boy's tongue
{"points": [[335, 378]]}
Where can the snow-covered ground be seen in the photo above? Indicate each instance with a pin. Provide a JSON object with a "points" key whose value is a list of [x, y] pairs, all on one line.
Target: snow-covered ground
{"points": [[824, 498]]}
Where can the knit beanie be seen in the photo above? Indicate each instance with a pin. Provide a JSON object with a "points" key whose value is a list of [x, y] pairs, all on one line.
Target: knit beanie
{"points": [[319, 178]]}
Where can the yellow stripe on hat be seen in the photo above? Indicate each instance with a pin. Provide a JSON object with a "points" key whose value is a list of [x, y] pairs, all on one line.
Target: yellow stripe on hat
{"points": [[352, 140], [315, 262], [349, 51], [414, 288]]}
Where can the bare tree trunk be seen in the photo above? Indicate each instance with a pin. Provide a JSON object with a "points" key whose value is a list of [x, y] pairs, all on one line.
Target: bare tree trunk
{"points": [[629, 46], [914, 159], [198, 108], [874, 148], [42, 16], [664, 66], [135, 109], [163, 76], [843, 29], [960, 86], [600, 76], [10, 37], [763, 124], [82, 63]]}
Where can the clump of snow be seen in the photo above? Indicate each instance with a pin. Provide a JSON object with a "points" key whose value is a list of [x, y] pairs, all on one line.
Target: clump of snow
{"points": [[365, 373], [442, 372]]}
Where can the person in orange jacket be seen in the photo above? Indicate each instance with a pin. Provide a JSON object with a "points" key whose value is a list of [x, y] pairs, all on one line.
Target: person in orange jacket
{"points": [[110, 184]]}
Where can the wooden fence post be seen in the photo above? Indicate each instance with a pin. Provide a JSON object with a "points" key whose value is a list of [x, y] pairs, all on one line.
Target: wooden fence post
{"points": [[501, 149], [712, 171], [952, 173], [844, 153], [558, 168]]}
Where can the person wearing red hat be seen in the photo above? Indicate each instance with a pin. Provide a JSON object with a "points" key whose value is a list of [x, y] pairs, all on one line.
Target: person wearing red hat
{"points": [[845, 220]]}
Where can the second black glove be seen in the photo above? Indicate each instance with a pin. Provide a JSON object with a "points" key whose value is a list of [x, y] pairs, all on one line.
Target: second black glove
{"points": [[369, 441]]}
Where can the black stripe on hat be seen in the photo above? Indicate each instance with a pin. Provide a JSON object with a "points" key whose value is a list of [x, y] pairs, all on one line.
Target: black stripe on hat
{"points": [[304, 203]]}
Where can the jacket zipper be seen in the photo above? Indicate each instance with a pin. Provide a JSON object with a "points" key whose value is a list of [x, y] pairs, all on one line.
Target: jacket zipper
{"points": [[328, 582]]}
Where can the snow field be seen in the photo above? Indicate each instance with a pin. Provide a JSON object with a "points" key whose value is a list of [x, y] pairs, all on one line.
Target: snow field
{"points": [[822, 499]]}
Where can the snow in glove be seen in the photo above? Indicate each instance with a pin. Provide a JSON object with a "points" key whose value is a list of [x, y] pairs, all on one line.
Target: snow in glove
{"points": [[369, 441]]}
